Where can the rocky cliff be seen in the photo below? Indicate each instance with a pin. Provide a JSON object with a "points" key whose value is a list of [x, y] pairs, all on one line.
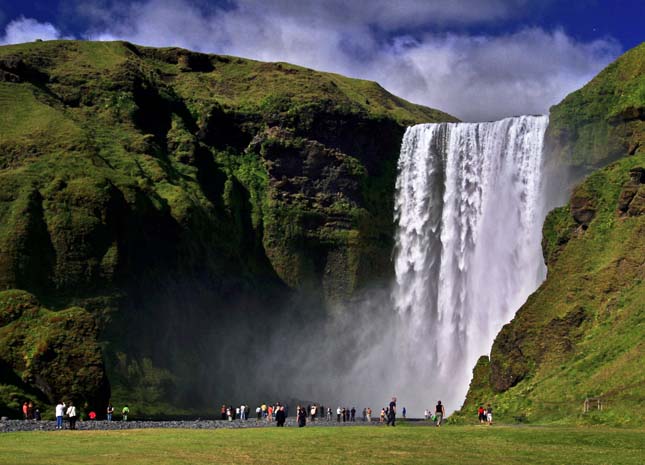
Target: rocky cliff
{"points": [[172, 199], [580, 335]]}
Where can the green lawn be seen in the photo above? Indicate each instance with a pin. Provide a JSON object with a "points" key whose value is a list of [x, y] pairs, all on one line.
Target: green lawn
{"points": [[350, 445]]}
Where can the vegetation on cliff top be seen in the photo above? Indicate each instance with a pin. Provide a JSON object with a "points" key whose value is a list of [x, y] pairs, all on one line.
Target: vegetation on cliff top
{"points": [[604, 120]]}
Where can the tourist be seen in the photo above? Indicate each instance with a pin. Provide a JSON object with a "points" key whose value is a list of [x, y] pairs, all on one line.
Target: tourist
{"points": [[329, 413], [353, 413], [391, 418], [222, 412], [426, 413], [242, 412], [258, 413], [369, 414], [25, 410], [489, 415], [125, 412], [229, 413], [313, 412], [30, 410], [302, 417], [382, 415], [37, 415], [109, 411], [364, 414], [403, 413], [60, 411], [280, 417], [439, 412], [481, 413], [338, 414], [71, 413]]}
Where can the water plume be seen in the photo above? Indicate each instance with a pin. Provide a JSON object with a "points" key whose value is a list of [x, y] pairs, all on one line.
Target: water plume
{"points": [[469, 210]]}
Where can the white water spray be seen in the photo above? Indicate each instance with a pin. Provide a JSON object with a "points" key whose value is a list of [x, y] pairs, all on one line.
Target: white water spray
{"points": [[469, 210]]}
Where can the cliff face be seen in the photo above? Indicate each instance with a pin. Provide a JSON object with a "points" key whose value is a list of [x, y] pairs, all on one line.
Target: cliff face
{"points": [[179, 197], [581, 333]]}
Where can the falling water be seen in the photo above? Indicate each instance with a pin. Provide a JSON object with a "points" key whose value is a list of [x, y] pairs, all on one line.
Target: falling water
{"points": [[469, 212]]}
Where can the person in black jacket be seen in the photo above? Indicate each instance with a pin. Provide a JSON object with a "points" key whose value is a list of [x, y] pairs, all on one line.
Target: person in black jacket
{"points": [[280, 416], [440, 413], [302, 417], [391, 413]]}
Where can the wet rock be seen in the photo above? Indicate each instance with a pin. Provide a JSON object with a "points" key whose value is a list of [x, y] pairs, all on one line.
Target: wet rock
{"points": [[583, 208], [508, 365], [198, 62], [632, 195], [6, 76]]}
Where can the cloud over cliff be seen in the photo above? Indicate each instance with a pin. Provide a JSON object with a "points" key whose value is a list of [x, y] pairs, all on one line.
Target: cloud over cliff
{"points": [[420, 50]]}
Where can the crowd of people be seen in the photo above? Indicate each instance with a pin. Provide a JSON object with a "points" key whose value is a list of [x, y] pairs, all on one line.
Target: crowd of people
{"points": [[30, 412], [269, 412], [71, 413], [278, 412]]}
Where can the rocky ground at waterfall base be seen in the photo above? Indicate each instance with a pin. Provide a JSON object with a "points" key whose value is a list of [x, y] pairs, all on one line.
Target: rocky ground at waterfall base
{"points": [[11, 426]]}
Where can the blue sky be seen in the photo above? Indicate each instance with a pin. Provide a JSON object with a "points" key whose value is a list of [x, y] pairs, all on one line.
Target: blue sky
{"points": [[476, 59]]}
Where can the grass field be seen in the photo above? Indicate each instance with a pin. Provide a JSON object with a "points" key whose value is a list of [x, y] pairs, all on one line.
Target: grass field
{"points": [[353, 445]]}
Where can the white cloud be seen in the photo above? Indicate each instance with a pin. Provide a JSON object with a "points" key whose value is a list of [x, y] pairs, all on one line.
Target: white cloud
{"points": [[389, 14], [482, 78], [472, 77], [27, 30]]}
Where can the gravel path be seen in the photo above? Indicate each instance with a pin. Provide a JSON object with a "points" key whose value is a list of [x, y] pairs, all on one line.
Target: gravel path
{"points": [[8, 426]]}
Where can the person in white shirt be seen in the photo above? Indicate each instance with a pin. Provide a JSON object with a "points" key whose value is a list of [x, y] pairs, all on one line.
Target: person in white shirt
{"points": [[71, 413], [60, 411]]}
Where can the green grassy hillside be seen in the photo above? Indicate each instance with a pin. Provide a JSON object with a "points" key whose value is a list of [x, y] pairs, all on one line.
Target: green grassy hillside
{"points": [[180, 197]]}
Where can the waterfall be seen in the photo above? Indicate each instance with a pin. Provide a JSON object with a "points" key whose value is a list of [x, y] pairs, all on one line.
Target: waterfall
{"points": [[469, 213]]}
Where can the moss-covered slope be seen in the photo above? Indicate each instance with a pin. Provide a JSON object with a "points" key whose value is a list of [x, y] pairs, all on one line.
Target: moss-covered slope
{"points": [[46, 356], [173, 194]]}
